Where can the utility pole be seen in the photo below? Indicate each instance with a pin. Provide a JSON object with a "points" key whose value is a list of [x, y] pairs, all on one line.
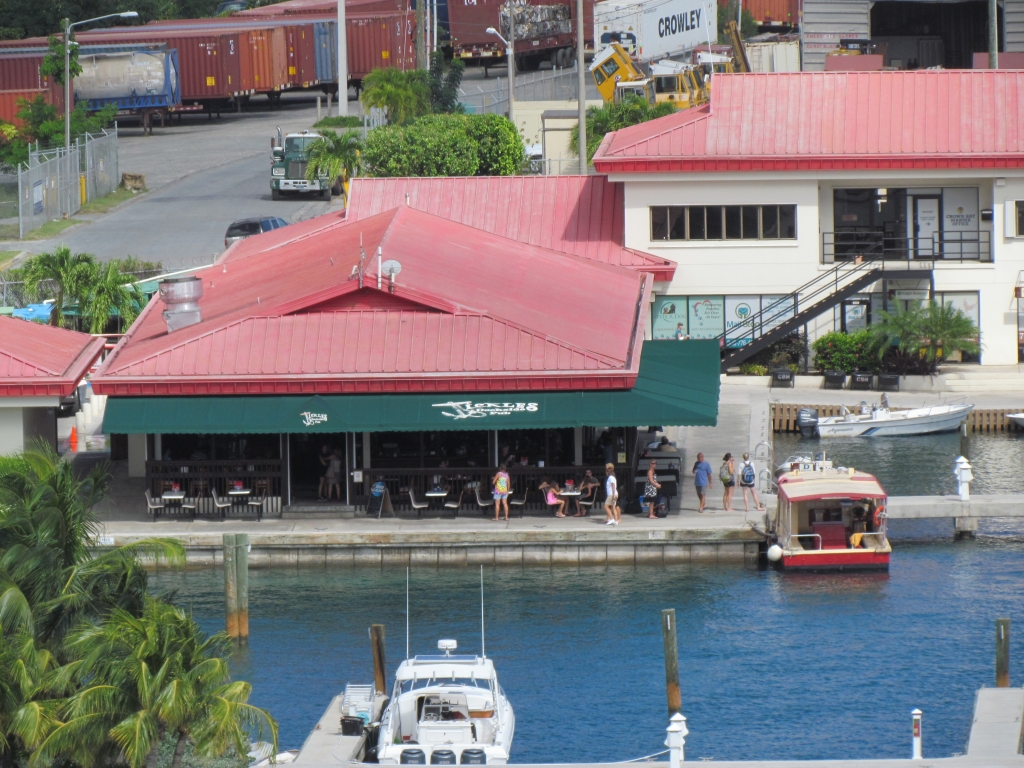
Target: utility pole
{"points": [[581, 87], [67, 84], [512, 62], [342, 62], [993, 34], [421, 37]]}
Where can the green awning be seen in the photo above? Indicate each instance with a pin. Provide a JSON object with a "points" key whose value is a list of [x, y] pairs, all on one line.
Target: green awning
{"points": [[677, 386]]}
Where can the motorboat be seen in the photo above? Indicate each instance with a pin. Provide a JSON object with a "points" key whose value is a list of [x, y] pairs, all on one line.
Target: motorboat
{"points": [[446, 709], [829, 520], [804, 463], [1016, 418], [879, 420]]}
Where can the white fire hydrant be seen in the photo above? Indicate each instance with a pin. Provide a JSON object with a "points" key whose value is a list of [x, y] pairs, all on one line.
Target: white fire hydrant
{"points": [[964, 476], [676, 739]]}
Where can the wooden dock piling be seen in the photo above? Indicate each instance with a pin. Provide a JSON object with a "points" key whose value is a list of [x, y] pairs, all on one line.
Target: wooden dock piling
{"points": [[242, 582], [1002, 653], [379, 670], [668, 635], [230, 587]]}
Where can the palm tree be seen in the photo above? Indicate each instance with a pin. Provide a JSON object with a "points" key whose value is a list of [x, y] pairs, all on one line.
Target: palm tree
{"points": [[944, 329], [111, 290], [27, 704], [71, 275], [334, 156], [401, 95], [611, 117]]}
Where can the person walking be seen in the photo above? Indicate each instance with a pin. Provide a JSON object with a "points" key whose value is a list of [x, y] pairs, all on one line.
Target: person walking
{"points": [[651, 488], [501, 486], [611, 491], [748, 481], [325, 467], [727, 474], [701, 480]]}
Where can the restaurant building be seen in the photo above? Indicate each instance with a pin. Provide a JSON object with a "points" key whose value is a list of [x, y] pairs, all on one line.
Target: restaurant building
{"points": [[424, 348], [895, 187]]}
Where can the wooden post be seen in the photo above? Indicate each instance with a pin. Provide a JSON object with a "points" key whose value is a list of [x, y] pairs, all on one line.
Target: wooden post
{"points": [[242, 585], [965, 442], [668, 635], [230, 587], [379, 671], [1002, 653]]}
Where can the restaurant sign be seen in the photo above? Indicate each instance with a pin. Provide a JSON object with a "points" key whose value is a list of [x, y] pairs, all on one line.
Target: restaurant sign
{"points": [[310, 419], [467, 409]]}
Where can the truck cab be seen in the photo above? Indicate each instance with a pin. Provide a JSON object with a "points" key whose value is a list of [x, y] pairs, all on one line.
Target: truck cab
{"points": [[289, 160], [678, 83], [612, 67]]}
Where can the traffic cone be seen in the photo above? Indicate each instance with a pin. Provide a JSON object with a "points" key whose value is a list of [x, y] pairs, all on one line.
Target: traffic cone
{"points": [[73, 442]]}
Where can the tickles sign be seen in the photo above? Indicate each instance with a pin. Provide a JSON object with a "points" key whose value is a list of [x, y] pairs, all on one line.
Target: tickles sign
{"points": [[467, 409]]}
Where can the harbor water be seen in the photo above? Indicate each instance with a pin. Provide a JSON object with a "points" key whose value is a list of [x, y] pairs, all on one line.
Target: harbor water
{"points": [[773, 666]]}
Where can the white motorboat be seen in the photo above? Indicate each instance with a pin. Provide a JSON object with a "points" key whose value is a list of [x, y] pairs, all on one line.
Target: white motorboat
{"points": [[446, 709], [1016, 418], [799, 462], [882, 421]]}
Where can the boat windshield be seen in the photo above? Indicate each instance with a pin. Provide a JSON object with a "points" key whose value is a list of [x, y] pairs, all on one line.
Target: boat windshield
{"points": [[413, 685]]}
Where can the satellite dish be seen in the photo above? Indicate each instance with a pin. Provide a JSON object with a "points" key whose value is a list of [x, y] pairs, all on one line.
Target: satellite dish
{"points": [[391, 266]]}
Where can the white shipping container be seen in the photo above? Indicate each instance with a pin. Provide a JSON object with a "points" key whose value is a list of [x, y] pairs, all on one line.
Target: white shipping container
{"points": [[774, 56], [120, 75], [654, 29]]}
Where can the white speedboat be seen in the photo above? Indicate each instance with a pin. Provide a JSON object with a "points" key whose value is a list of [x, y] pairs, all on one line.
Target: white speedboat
{"points": [[446, 709], [803, 463], [882, 421], [1016, 418]]}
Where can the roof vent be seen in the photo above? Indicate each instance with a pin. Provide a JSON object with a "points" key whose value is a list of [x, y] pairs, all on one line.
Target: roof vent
{"points": [[181, 297]]}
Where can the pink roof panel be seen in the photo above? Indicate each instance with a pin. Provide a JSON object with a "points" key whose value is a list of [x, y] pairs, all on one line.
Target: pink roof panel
{"points": [[40, 360]]}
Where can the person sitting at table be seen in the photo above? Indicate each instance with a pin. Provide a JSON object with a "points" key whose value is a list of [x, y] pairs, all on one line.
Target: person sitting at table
{"points": [[551, 491], [588, 490]]}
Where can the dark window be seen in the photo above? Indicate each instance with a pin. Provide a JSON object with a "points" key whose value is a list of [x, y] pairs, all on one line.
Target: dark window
{"points": [[733, 227], [751, 223], [243, 229], [715, 222], [676, 223], [787, 222], [666, 84], [659, 223], [770, 222], [267, 224], [609, 67], [697, 229], [599, 76], [1020, 219]]}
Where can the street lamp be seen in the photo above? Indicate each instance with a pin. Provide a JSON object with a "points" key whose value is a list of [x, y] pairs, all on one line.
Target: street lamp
{"points": [[67, 65], [510, 54]]}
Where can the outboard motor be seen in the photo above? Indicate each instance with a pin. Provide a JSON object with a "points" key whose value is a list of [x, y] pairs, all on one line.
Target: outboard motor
{"points": [[807, 421]]}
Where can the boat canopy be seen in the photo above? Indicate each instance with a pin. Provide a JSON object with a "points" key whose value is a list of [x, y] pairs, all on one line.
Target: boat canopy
{"points": [[829, 484]]}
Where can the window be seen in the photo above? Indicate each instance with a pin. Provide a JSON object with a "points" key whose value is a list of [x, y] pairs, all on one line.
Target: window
{"points": [[723, 222], [1020, 218]]}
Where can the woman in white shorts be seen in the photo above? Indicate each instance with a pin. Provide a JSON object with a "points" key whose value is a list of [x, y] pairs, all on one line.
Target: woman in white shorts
{"points": [[611, 502]]}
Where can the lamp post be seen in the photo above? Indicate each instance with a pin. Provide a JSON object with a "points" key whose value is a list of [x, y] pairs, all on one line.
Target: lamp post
{"points": [[342, 62], [68, 26], [510, 54]]}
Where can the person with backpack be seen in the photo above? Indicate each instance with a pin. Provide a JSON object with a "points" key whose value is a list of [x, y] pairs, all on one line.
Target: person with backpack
{"points": [[748, 482], [727, 474]]}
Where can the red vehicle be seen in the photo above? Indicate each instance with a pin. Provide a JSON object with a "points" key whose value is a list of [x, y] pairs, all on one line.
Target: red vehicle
{"points": [[829, 520]]}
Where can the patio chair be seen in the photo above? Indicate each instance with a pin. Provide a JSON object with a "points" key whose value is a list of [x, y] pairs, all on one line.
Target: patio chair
{"points": [[154, 505], [419, 506], [222, 505], [589, 501], [520, 502], [486, 505], [259, 501], [454, 505]]}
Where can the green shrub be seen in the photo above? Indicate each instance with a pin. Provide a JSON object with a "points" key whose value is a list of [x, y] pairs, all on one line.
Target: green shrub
{"points": [[848, 352], [500, 148], [343, 121], [753, 369]]}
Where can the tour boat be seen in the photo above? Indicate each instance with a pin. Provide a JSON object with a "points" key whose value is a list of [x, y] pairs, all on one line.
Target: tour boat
{"points": [[881, 421], [804, 463], [446, 709], [829, 520]]}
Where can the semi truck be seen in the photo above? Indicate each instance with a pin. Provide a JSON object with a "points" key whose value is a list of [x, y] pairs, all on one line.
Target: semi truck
{"points": [[655, 29], [289, 161]]}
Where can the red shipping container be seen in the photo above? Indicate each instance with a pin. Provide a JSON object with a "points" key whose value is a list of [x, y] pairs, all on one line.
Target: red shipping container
{"points": [[772, 11], [301, 55], [378, 41], [10, 106], [21, 72]]}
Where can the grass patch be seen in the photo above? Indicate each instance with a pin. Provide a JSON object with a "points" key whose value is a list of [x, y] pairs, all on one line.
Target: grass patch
{"points": [[348, 121], [49, 229], [6, 257], [104, 204]]}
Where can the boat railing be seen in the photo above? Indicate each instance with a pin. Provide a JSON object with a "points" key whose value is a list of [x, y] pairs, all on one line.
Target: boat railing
{"points": [[807, 536]]}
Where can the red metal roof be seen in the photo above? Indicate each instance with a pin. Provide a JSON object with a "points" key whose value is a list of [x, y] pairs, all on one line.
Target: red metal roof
{"points": [[283, 313], [807, 121], [43, 361], [582, 215]]}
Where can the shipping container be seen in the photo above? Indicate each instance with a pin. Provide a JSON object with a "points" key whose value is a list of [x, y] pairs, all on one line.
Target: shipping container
{"points": [[773, 52], [132, 81], [772, 12], [468, 22], [326, 33], [654, 29], [301, 46], [10, 102], [21, 72], [319, 7], [377, 41]]}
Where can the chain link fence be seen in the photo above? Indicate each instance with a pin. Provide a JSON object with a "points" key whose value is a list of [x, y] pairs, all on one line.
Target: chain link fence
{"points": [[18, 294], [58, 181], [553, 85]]}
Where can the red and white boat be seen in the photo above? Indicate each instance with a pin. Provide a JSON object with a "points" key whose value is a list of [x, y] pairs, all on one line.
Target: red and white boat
{"points": [[829, 520]]}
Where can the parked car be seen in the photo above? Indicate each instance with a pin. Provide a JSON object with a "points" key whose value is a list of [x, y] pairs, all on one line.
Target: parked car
{"points": [[243, 228]]}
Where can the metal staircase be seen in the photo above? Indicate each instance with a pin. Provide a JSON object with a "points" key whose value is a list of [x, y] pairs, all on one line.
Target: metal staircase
{"points": [[810, 300]]}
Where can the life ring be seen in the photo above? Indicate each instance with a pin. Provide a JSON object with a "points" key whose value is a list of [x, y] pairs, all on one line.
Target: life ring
{"points": [[879, 514]]}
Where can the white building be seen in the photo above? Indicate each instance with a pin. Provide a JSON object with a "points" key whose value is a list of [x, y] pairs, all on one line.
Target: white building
{"points": [[914, 180]]}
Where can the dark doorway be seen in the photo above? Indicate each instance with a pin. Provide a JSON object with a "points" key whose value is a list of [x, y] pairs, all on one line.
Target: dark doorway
{"points": [[307, 469], [921, 34]]}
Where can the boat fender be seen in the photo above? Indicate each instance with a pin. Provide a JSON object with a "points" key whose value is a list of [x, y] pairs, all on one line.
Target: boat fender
{"points": [[775, 553]]}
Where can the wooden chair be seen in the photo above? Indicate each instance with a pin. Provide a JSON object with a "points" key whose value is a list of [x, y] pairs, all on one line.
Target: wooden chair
{"points": [[454, 505], [259, 501], [221, 505], [154, 506], [419, 506]]}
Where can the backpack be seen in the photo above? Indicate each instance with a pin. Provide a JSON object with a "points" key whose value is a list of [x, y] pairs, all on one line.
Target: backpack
{"points": [[661, 507], [747, 474], [724, 474]]}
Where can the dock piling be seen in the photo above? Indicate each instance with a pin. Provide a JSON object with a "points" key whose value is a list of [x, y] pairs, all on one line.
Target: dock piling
{"points": [[242, 585], [379, 672], [1002, 653], [916, 750], [668, 635], [230, 587]]}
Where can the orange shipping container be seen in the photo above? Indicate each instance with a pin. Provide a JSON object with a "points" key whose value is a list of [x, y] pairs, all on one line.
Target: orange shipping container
{"points": [[9, 103], [772, 11], [379, 41]]}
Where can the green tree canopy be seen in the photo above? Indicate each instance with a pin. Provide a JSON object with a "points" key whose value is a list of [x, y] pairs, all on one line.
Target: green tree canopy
{"points": [[611, 117]]}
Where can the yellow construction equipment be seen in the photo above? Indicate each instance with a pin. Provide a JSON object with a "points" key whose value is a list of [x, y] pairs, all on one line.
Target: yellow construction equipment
{"points": [[678, 83], [618, 76], [614, 67], [739, 52]]}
